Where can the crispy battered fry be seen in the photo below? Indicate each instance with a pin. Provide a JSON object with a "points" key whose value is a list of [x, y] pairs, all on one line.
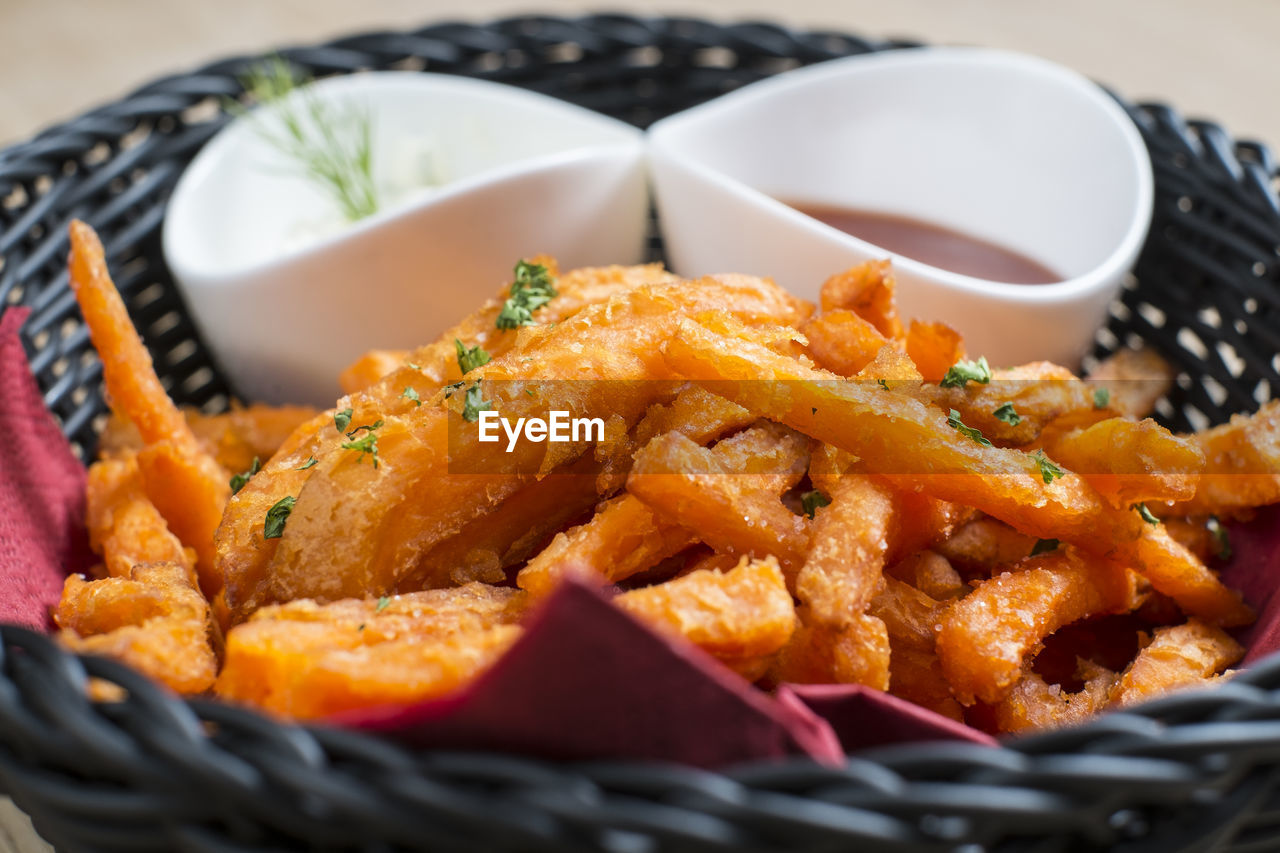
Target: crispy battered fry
{"points": [[1179, 656], [930, 572], [985, 637], [902, 439], [843, 342], [857, 653], [623, 538], [984, 543], [1134, 379], [1130, 462], [934, 347], [154, 618], [233, 438], [125, 528], [369, 368], [732, 505], [308, 661], [1035, 704], [867, 290], [850, 538], [910, 616], [1242, 467], [741, 617], [173, 462], [1176, 572]]}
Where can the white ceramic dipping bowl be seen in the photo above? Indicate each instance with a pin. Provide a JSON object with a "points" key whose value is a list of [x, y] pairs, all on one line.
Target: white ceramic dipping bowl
{"points": [[1006, 148], [526, 174]]}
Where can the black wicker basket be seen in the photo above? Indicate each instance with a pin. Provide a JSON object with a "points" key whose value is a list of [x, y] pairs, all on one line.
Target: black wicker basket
{"points": [[1194, 772]]}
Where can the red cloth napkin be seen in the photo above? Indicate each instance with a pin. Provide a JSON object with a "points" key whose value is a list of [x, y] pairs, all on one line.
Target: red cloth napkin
{"points": [[1254, 569], [42, 534]]}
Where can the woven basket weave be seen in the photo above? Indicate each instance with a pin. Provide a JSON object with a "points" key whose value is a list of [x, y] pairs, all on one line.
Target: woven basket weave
{"points": [[1193, 772]]}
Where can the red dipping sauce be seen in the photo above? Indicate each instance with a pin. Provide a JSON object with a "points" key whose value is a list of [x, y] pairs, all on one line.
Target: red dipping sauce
{"points": [[934, 245]]}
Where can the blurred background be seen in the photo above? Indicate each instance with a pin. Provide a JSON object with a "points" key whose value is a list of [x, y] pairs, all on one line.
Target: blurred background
{"points": [[1214, 60]]}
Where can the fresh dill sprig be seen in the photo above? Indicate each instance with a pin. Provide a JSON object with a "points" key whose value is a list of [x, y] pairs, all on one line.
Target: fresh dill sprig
{"points": [[330, 145]]}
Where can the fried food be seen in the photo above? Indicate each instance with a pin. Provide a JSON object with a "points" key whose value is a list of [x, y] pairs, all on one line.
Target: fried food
{"points": [[185, 483], [836, 497], [1178, 656], [1130, 462], [934, 348], [741, 617], [307, 661], [154, 618], [1242, 467], [734, 508], [984, 639]]}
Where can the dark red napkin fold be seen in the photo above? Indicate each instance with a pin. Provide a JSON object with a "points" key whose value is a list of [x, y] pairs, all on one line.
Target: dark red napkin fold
{"points": [[42, 534], [1254, 569]]}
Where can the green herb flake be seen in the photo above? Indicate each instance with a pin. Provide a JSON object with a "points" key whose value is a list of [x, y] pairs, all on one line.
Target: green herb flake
{"points": [[953, 421], [417, 367], [469, 358], [474, 404], [273, 526], [367, 446], [812, 500], [1049, 470], [814, 410], [310, 463], [367, 427], [452, 388], [1044, 546], [1221, 537], [964, 372], [411, 393], [883, 384], [1007, 414], [342, 420], [531, 288], [239, 481], [1101, 398], [1145, 513], [529, 391], [383, 602], [361, 627]]}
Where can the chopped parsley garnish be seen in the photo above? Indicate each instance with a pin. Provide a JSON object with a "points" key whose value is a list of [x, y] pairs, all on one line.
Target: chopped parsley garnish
{"points": [[1007, 414], [1044, 546], [311, 461], [814, 410], [1049, 470], [452, 388], [273, 526], [1101, 398], [383, 601], [529, 391], [469, 358], [968, 371], [342, 420], [411, 393], [474, 404], [1221, 537], [1145, 513], [953, 421], [882, 384], [812, 500], [239, 481], [531, 288], [369, 427]]}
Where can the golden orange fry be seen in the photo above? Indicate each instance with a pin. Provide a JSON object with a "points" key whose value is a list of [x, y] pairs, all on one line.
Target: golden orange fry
{"points": [[308, 661], [173, 462], [1177, 656], [985, 638], [741, 617]]}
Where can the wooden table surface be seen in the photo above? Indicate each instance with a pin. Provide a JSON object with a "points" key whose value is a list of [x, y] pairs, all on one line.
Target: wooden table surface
{"points": [[1212, 60]]}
